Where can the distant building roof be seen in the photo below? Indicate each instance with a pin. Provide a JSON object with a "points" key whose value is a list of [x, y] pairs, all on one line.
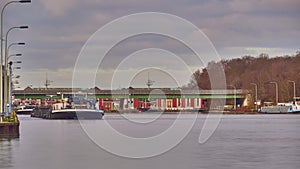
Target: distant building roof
{"points": [[96, 90]]}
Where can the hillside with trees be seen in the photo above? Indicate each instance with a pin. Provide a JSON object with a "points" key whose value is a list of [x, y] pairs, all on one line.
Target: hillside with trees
{"points": [[261, 70]]}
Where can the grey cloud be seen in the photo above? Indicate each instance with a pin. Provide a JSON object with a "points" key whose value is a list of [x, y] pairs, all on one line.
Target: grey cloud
{"points": [[266, 7], [59, 28]]}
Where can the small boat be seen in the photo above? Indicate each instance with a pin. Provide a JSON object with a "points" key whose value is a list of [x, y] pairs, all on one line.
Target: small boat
{"points": [[280, 108], [25, 110]]}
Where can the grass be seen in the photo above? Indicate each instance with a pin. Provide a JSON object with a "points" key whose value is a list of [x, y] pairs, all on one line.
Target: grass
{"points": [[12, 119]]}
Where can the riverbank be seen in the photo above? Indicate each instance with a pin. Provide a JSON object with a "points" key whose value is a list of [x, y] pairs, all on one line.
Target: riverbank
{"points": [[185, 112]]}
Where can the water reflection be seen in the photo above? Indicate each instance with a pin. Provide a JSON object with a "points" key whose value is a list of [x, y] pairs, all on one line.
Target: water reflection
{"points": [[6, 152], [241, 141]]}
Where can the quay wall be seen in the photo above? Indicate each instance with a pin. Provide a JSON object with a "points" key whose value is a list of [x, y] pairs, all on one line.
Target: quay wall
{"points": [[9, 129]]}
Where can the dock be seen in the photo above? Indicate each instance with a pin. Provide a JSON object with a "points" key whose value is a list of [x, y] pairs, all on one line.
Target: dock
{"points": [[9, 127]]}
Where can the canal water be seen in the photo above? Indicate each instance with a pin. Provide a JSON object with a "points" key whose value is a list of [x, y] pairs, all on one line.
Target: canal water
{"points": [[240, 142]]}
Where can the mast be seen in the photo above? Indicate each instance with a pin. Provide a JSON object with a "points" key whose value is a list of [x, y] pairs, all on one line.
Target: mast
{"points": [[47, 82], [149, 82]]}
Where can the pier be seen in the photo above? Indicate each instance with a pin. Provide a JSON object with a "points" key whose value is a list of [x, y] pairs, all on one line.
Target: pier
{"points": [[9, 126]]}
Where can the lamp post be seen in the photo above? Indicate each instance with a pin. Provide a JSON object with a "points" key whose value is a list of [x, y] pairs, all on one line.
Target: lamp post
{"points": [[13, 44], [10, 84], [10, 79], [12, 87], [6, 40], [17, 61], [8, 96], [256, 105], [17, 76], [17, 55], [2, 11], [294, 84], [1, 49], [234, 100], [5, 71], [276, 89]]}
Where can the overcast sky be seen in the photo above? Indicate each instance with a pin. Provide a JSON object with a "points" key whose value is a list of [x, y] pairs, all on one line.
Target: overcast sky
{"points": [[60, 28]]}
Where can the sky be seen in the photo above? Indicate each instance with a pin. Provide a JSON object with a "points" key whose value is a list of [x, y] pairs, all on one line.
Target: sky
{"points": [[60, 29]]}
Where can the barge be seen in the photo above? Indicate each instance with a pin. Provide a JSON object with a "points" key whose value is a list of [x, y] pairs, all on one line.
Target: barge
{"points": [[48, 113], [68, 110]]}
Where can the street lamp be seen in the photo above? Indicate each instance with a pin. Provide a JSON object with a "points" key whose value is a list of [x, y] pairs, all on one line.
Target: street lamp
{"points": [[234, 101], [7, 79], [6, 40], [17, 76], [276, 89], [17, 61], [17, 55], [5, 71], [256, 105], [1, 48], [14, 44], [294, 84], [2, 11], [11, 83]]}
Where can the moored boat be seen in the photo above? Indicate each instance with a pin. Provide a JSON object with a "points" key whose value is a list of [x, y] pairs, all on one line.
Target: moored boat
{"points": [[24, 110], [295, 107], [69, 110], [76, 114], [292, 107]]}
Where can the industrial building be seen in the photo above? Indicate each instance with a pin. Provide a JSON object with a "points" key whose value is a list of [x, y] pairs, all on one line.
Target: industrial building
{"points": [[171, 99]]}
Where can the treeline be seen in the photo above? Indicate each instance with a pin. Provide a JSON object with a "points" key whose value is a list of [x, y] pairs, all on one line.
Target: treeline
{"points": [[261, 70]]}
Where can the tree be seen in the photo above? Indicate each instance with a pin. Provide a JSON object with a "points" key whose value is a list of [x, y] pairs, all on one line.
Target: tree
{"points": [[261, 70]]}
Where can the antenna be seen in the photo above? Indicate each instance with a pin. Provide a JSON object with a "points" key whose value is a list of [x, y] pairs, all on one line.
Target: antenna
{"points": [[149, 82], [47, 82]]}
